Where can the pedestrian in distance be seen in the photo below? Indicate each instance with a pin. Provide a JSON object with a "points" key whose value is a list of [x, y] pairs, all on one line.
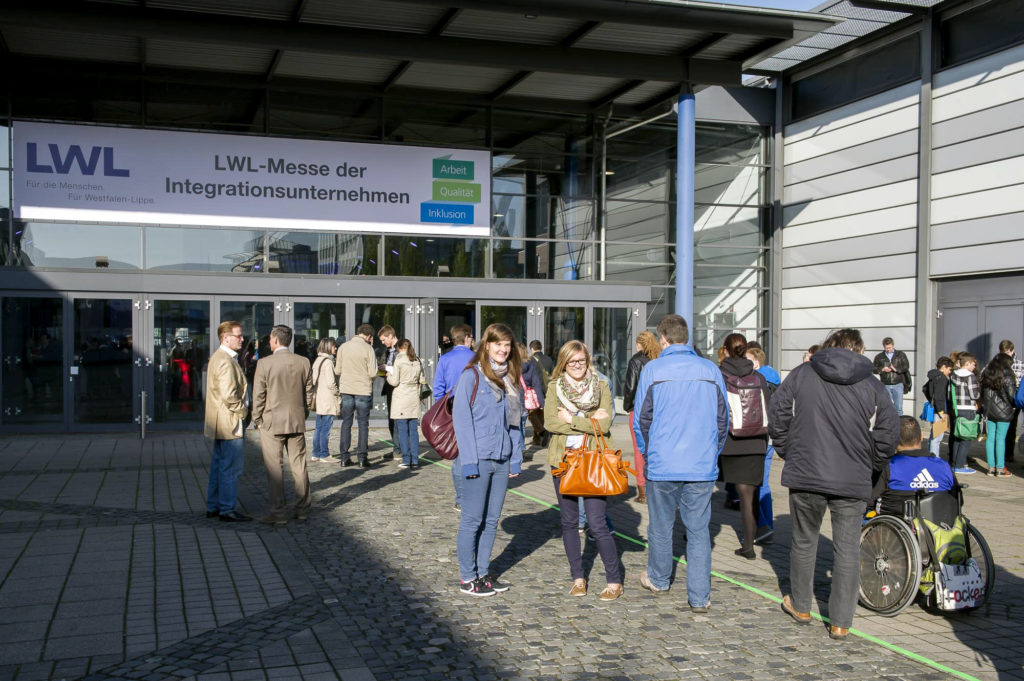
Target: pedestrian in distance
{"points": [[834, 424], [405, 376], [386, 356], [742, 459], [535, 412], [356, 367], [647, 348], [765, 511], [449, 368], [281, 398], [936, 391], [328, 399], [487, 414], [224, 424], [680, 456], [893, 368], [997, 388], [964, 392], [542, 360], [576, 396]]}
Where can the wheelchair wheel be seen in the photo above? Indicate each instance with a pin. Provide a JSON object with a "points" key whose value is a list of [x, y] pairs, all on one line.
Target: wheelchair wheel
{"points": [[890, 565], [983, 556]]}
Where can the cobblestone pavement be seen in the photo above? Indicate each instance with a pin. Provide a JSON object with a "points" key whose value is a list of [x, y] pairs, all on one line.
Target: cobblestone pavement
{"points": [[109, 570]]}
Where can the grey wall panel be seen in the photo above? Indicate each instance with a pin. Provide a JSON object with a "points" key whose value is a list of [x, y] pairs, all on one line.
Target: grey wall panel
{"points": [[977, 151], [874, 269], [869, 153], [1002, 287], [902, 336], [990, 230], [737, 105], [883, 173], [1003, 257], [871, 246], [978, 124]]}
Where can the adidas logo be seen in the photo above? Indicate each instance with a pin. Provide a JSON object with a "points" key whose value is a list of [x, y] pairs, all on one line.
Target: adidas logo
{"points": [[924, 480]]}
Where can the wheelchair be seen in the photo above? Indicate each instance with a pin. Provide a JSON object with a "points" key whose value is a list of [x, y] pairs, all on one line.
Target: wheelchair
{"points": [[893, 557]]}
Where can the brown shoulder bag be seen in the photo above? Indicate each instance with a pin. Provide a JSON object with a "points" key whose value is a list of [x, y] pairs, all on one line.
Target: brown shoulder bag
{"points": [[593, 470]]}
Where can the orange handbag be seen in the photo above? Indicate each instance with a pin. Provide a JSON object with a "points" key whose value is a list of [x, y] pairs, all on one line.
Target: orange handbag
{"points": [[593, 471]]}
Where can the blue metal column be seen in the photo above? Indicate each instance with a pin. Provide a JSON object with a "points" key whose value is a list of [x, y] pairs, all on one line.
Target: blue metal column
{"points": [[686, 133]]}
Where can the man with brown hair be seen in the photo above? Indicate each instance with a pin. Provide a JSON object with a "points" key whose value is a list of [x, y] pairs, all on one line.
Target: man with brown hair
{"points": [[225, 413], [833, 424], [281, 397], [386, 358]]}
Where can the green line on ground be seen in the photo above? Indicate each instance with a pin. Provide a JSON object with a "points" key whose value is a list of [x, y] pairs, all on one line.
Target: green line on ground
{"points": [[764, 594]]}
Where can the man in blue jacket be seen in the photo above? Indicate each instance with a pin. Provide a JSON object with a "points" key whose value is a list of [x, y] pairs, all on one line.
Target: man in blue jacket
{"points": [[449, 368], [681, 420]]}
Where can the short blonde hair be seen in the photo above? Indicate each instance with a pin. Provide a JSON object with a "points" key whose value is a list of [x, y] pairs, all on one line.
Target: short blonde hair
{"points": [[225, 329], [566, 352]]}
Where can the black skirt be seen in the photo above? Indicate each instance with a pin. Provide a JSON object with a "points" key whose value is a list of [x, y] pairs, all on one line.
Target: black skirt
{"points": [[742, 469]]}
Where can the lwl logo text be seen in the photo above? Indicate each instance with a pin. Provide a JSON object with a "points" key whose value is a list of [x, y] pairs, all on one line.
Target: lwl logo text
{"points": [[61, 164]]}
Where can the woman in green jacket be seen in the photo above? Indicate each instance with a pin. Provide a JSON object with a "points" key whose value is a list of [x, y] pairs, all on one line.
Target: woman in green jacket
{"points": [[576, 395]]}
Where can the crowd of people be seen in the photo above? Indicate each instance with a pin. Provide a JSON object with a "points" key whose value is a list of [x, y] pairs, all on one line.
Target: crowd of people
{"points": [[835, 420]]}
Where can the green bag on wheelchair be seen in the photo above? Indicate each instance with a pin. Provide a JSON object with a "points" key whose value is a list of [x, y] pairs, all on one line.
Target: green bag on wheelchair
{"points": [[952, 579]]}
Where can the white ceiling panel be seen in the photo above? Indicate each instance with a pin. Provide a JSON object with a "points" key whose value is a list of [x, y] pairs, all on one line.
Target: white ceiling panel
{"points": [[642, 39], [561, 86], [511, 27], [458, 77]]}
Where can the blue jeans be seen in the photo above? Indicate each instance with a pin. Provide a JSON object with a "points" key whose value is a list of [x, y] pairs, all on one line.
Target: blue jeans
{"points": [[995, 443], [482, 499], [457, 480], [408, 440], [693, 502], [320, 435], [360, 404], [765, 516], [935, 443], [225, 467], [896, 394]]}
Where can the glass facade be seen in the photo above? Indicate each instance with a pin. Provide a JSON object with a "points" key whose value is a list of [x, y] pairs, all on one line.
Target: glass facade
{"points": [[568, 203]]}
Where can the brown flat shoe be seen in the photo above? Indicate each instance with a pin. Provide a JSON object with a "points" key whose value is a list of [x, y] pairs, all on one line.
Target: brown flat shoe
{"points": [[641, 496], [579, 588], [611, 592], [799, 617], [838, 633]]}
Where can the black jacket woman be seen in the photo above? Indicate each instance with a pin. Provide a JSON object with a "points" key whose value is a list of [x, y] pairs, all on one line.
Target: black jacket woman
{"points": [[742, 459], [997, 387], [647, 348]]}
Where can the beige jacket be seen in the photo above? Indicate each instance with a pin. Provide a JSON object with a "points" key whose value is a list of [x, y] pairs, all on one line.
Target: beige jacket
{"points": [[405, 377], [282, 391], [559, 429], [356, 367], [328, 399], [225, 397]]}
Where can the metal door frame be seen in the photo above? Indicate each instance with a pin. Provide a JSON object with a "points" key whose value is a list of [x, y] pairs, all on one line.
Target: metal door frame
{"points": [[63, 424]]}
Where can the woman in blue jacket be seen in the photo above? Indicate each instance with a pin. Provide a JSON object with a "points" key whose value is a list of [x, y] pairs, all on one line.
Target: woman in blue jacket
{"points": [[488, 415]]}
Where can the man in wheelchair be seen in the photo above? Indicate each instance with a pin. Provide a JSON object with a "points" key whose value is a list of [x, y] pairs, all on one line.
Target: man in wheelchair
{"points": [[916, 541]]}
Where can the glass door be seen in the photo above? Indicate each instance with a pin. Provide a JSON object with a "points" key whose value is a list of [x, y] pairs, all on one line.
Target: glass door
{"points": [[426, 340], [519, 318], [182, 341], [257, 318], [314, 321], [104, 365], [613, 342], [378, 315], [33, 360], [562, 324]]}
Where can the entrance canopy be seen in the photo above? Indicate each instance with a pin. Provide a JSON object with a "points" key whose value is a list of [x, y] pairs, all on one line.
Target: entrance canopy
{"points": [[554, 55]]}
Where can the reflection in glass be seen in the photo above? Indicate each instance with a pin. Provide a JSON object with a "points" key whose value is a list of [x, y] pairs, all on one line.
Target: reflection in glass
{"points": [[33, 358], [204, 250], [512, 316], [181, 348], [323, 253], [638, 262], [561, 325], [434, 256], [518, 259], [316, 321], [257, 319], [639, 221], [378, 315], [103, 355], [614, 344], [44, 244]]}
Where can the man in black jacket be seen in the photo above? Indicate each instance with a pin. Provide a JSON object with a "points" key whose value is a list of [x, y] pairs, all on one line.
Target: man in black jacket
{"points": [[834, 424], [936, 391], [893, 367]]}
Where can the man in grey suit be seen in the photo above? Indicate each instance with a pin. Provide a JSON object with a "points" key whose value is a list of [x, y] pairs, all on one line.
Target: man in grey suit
{"points": [[282, 394]]}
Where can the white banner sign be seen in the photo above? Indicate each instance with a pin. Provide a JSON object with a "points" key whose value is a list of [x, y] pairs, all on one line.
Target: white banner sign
{"points": [[98, 174]]}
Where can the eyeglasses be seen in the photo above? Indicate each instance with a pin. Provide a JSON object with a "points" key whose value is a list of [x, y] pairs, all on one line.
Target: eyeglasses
{"points": [[576, 363], [235, 335]]}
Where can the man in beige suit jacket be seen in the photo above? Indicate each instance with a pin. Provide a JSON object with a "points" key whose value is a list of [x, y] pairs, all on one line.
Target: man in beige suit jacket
{"points": [[282, 393], [225, 411]]}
